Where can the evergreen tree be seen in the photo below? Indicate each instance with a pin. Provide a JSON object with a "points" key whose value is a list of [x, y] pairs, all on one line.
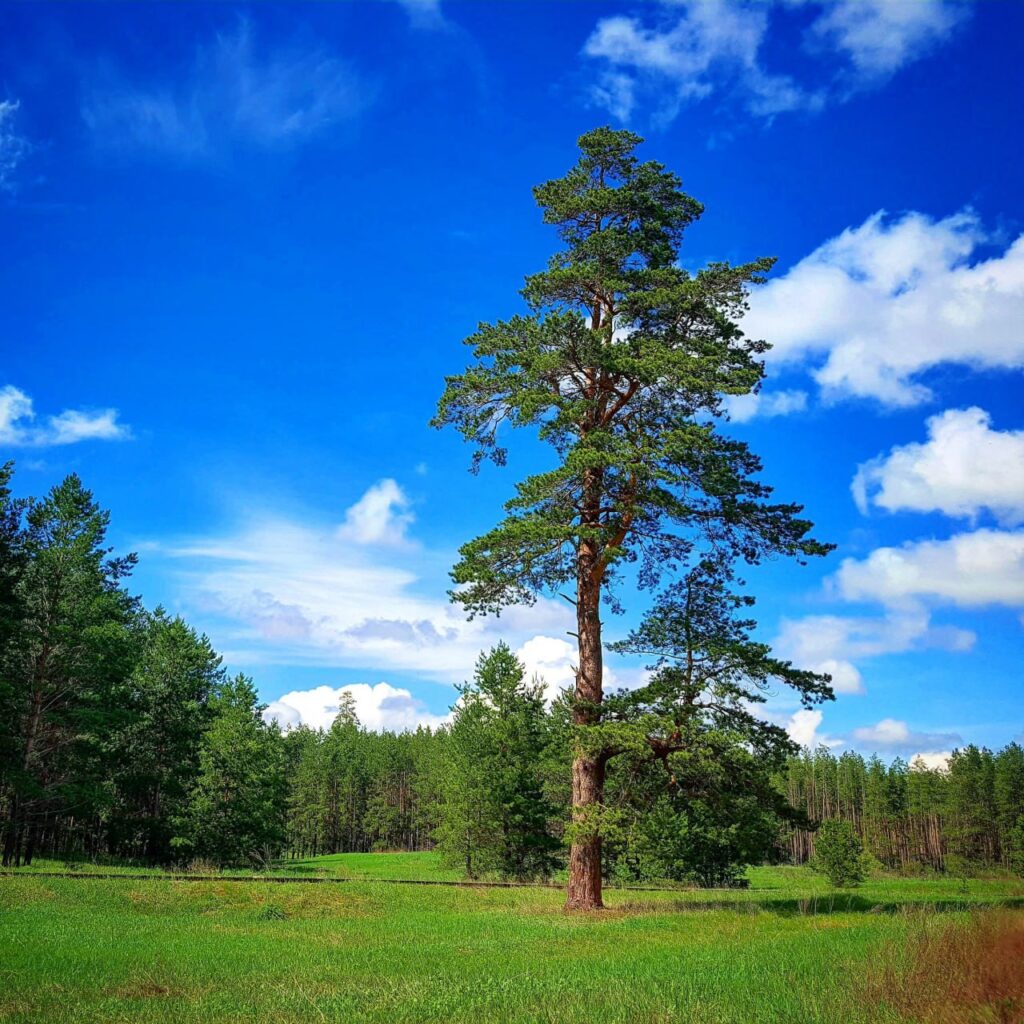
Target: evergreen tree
{"points": [[14, 680], [236, 810], [78, 649], [839, 854], [620, 365], [177, 674], [694, 718], [494, 815]]}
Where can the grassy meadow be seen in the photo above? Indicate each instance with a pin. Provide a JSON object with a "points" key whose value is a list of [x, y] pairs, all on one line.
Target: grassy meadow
{"points": [[788, 949]]}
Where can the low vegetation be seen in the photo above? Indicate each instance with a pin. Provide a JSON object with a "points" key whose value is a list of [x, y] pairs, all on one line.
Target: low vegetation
{"points": [[788, 949]]}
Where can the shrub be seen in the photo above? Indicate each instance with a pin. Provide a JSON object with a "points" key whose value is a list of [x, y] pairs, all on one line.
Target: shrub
{"points": [[838, 854]]}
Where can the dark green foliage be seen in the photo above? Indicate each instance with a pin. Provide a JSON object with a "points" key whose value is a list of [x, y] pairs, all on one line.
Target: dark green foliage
{"points": [[350, 790], [70, 669], [493, 815], [914, 817], [838, 853], [120, 736], [691, 762], [235, 812], [620, 364], [172, 687], [702, 818]]}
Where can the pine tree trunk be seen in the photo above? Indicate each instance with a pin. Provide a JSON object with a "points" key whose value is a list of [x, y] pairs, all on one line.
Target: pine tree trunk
{"points": [[588, 766], [585, 854]]}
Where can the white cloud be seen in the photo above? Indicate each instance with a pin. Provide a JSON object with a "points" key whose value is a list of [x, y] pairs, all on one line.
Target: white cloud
{"points": [[552, 659], [233, 94], [876, 306], [937, 760], [693, 47], [846, 678], [962, 468], [832, 643], [881, 36], [380, 516], [985, 567], [687, 50], [379, 707], [291, 592], [803, 727], [13, 146], [893, 736], [764, 405], [18, 427]]}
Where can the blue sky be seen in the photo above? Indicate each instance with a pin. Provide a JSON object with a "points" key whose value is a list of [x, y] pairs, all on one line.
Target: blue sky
{"points": [[243, 245]]}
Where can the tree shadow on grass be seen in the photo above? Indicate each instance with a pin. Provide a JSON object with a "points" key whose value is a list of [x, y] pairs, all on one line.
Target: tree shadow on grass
{"points": [[833, 903]]}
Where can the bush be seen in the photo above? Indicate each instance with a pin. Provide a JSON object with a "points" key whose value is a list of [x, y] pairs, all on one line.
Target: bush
{"points": [[838, 854]]}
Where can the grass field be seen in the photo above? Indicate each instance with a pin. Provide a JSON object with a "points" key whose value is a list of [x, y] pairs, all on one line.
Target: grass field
{"points": [[787, 950]]}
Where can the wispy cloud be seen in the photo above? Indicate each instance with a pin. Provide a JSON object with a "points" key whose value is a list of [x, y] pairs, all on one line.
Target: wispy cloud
{"points": [[292, 592], [235, 93], [765, 405], [424, 14], [14, 147], [19, 427], [686, 51]]}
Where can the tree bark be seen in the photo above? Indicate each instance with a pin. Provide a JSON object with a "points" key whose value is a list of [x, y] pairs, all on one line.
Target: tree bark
{"points": [[588, 765], [585, 854]]}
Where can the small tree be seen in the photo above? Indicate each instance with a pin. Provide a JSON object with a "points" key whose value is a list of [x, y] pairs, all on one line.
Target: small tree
{"points": [[494, 815], [838, 853]]}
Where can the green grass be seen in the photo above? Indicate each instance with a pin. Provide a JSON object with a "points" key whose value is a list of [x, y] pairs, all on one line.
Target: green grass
{"points": [[417, 867], [787, 950]]}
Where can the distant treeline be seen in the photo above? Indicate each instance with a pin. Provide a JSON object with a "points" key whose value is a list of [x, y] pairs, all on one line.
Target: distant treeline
{"points": [[122, 736], [971, 812]]}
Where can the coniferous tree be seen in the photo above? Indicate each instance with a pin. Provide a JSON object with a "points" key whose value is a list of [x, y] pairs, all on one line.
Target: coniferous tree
{"points": [[236, 811], [494, 815], [157, 751], [620, 365], [79, 645]]}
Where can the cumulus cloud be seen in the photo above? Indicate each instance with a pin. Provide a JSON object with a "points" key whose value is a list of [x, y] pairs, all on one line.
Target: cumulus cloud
{"points": [[234, 94], [971, 570], [764, 405], [803, 726], [873, 308], [19, 426], [893, 736], [14, 147], [935, 761], [378, 707], [380, 516], [977, 569], [963, 468], [685, 51], [551, 659]]}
